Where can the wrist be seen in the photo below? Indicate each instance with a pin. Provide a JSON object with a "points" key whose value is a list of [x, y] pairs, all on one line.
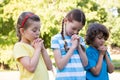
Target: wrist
{"points": [[72, 48], [106, 55], [38, 50], [101, 55], [42, 50], [79, 46]]}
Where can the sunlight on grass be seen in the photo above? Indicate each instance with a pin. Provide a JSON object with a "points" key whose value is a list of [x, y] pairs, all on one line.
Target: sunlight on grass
{"points": [[117, 65]]}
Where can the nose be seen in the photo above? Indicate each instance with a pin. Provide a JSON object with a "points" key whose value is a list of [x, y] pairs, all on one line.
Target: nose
{"points": [[103, 40], [37, 33]]}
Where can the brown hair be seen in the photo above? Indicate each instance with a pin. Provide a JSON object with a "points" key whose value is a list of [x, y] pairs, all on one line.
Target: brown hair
{"points": [[93, 30], [76, 15], [24, 21]]}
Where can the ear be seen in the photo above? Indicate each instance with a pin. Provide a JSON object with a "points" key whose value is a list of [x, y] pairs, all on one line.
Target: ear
{"points": [[65, 20], [22, 31]]}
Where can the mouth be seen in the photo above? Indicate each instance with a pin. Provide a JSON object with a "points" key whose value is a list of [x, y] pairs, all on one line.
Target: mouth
{"points": [[101, 44], [36, 37], [70, 34]]}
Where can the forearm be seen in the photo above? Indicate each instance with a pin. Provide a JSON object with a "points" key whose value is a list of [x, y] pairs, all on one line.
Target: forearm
{"points": [[96, 70], [109, 64], [47, 60], [34, 60], [61, 62], [83, 56]]}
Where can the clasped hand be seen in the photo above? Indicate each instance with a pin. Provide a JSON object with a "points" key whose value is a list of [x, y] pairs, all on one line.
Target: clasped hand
{"points": [[75, 40], [38, 44], [102, 49]]}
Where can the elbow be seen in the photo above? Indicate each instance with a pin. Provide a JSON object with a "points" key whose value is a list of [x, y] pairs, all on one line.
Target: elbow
{"points": [[49, 68], [111, 71], [96, 73], [85, 64], [31, 69], [59, 67]]}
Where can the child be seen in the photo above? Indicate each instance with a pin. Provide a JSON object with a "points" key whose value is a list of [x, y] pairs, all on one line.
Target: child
{"points": [[69, 55], [99, 62], [30, 53]]}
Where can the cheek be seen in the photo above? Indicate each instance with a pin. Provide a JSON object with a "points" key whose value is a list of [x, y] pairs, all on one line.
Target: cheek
{"points": [[66, 29], [30, 34], [69, 29], [95, 41]]}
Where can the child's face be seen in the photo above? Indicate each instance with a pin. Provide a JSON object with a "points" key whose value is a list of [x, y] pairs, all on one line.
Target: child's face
{"points": [[99, 40], [73, 27], [32, 32]]}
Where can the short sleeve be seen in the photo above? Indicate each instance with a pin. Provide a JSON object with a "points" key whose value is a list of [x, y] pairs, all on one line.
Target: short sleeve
{"points": [[54, 43], [91, 60], [109, 56], [19, 51]]}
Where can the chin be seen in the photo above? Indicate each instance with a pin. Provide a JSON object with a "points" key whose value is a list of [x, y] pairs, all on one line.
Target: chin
{"points": [[69, 34]]}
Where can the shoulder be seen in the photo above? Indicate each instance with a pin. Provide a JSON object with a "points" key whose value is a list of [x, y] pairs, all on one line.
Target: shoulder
{"points": [[17, 44], [57, 36], [90, 50], [22, 49], [20, 45]]}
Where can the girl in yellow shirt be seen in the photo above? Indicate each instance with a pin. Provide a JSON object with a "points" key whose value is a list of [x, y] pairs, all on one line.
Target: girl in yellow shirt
{"points": [[30, 53]]}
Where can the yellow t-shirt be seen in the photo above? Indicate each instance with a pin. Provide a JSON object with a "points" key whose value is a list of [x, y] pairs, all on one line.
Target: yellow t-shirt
{"points": [[23, 49]]}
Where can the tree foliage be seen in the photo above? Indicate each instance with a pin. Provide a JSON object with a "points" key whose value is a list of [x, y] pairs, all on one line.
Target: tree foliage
{"points": [[52, 12]]}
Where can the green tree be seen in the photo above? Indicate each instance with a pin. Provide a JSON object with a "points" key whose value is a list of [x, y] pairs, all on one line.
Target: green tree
{"points": [[52, 13], [112, 8]]}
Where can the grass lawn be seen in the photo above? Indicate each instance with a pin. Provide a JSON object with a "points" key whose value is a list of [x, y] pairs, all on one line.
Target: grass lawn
{"points": [[117, 65]]}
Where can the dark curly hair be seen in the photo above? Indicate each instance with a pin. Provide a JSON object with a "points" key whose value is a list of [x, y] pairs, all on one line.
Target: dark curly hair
{"points": [[93, 30]]}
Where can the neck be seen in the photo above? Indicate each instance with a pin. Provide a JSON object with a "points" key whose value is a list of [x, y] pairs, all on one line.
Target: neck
{"points": [[94, 46], [25, 41]]}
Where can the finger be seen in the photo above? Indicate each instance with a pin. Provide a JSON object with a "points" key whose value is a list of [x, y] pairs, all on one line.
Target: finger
{"points": [[72, 37], [39, 40], [33, 42], [75, 37], [78, 37], [36, 40]]}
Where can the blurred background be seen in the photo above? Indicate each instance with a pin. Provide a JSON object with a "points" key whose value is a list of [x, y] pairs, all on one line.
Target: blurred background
{"points": [[51, 13]]}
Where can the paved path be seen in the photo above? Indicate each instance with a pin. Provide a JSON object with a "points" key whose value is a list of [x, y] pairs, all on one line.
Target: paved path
{"points": [[14, 75], [10, 75], [114, 76]]}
